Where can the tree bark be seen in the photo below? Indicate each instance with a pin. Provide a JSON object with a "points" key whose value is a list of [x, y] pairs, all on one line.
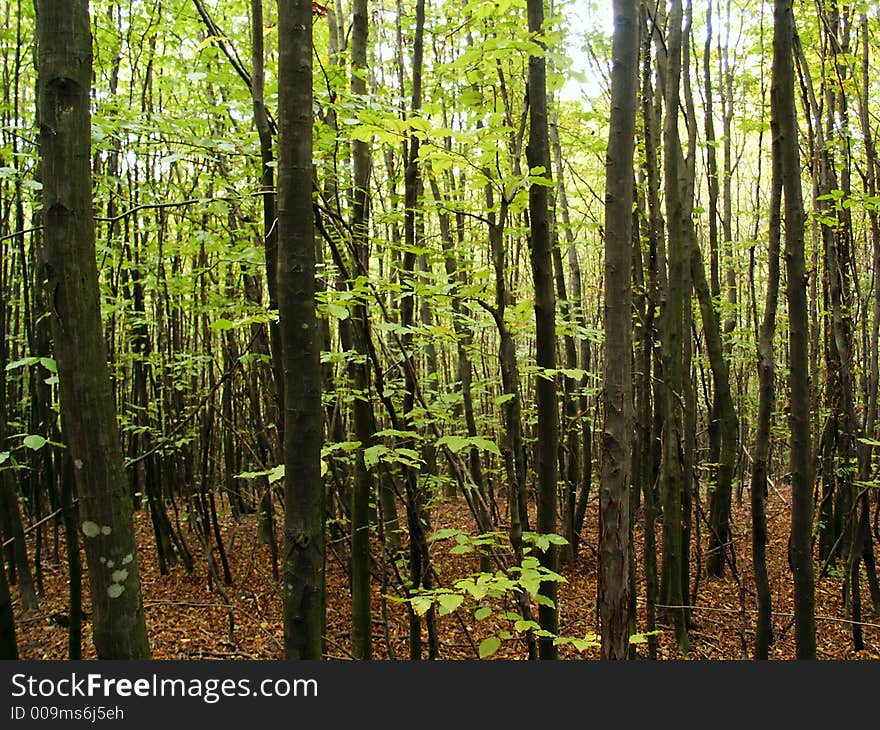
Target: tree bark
{"points": [[538, 156], [617, 372], [87, 406], [801, 464], [303, 589]]}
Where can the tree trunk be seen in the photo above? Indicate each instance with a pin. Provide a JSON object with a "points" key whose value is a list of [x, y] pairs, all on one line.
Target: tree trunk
{"points": [[302, 572], [801, 465], [65, 72], [617, 379], [538, 156]]}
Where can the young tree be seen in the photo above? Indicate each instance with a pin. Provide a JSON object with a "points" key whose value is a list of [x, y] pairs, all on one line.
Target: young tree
{"points": [[617, 378], [358, 369], [87, 405], [801, 463], [303, 567], [538, 157]]}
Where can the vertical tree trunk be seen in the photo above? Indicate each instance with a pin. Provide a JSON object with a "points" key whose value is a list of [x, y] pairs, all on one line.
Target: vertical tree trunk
{"points": [[65, 72], [302, 572], [801, 464], [673, 478], [8, 645], [766, 392], [538, 156], [358, 371], [617, 377]]}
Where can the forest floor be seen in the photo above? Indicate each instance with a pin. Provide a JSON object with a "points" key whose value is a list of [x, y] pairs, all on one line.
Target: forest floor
{"points": [[188, 617]]}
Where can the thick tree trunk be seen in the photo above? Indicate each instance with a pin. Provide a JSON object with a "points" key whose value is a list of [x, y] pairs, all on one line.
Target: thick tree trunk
{"points": [[617, 379], [65, 68]]}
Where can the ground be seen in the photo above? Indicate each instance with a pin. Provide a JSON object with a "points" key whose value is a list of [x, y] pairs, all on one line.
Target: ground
{"points": [[188, 617]]}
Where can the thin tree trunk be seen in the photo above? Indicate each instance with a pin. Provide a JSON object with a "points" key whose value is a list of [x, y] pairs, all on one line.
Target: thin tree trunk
{"points": [[538, 156], [358, 371], [303, 589], [801, 464]]}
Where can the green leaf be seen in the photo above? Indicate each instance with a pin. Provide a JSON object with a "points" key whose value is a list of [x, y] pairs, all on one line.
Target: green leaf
{"points": [[462, 549], [582, 644], [486, 445], [523, 625], [543, 600], [276, 474], [449, 602], [454, 443], [337, 311], [34, 441], [24, 362], [222, 324], [373, 454], [420, 604], [641, 638], [482, 612], [489, 646], [445, 534]]}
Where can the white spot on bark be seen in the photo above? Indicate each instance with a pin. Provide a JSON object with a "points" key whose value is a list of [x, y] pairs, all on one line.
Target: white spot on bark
{"points": [[127, 559], [106, 530], [119, 576], [115, 590], [102, 560], [110, 563], [77, 463], [90, 529]]}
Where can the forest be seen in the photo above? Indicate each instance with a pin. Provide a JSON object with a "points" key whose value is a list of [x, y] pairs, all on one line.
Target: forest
{"points": [[439, 329]]}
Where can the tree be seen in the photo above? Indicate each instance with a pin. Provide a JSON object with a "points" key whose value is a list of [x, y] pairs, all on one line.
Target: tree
{"points": [[801, 463], [303, 567], [538, 156], [674, 478], [8, 645], [87, 405], [617, 379]]}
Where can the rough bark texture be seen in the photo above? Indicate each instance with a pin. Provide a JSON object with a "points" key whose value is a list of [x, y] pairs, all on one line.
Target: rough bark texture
{"points": [[87, 406], [303, 566]]}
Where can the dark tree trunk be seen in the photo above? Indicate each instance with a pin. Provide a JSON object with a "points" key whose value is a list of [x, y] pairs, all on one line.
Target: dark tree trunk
{"points": [[538, 155], [801, 465], [673, 476], [302, 572], [8, 645], [359, 332], [766, 392], [617, 379], [65, 69]]}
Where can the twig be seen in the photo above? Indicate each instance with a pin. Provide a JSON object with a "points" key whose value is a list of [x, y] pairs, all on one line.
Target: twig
{"points": [[780, 614]]}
